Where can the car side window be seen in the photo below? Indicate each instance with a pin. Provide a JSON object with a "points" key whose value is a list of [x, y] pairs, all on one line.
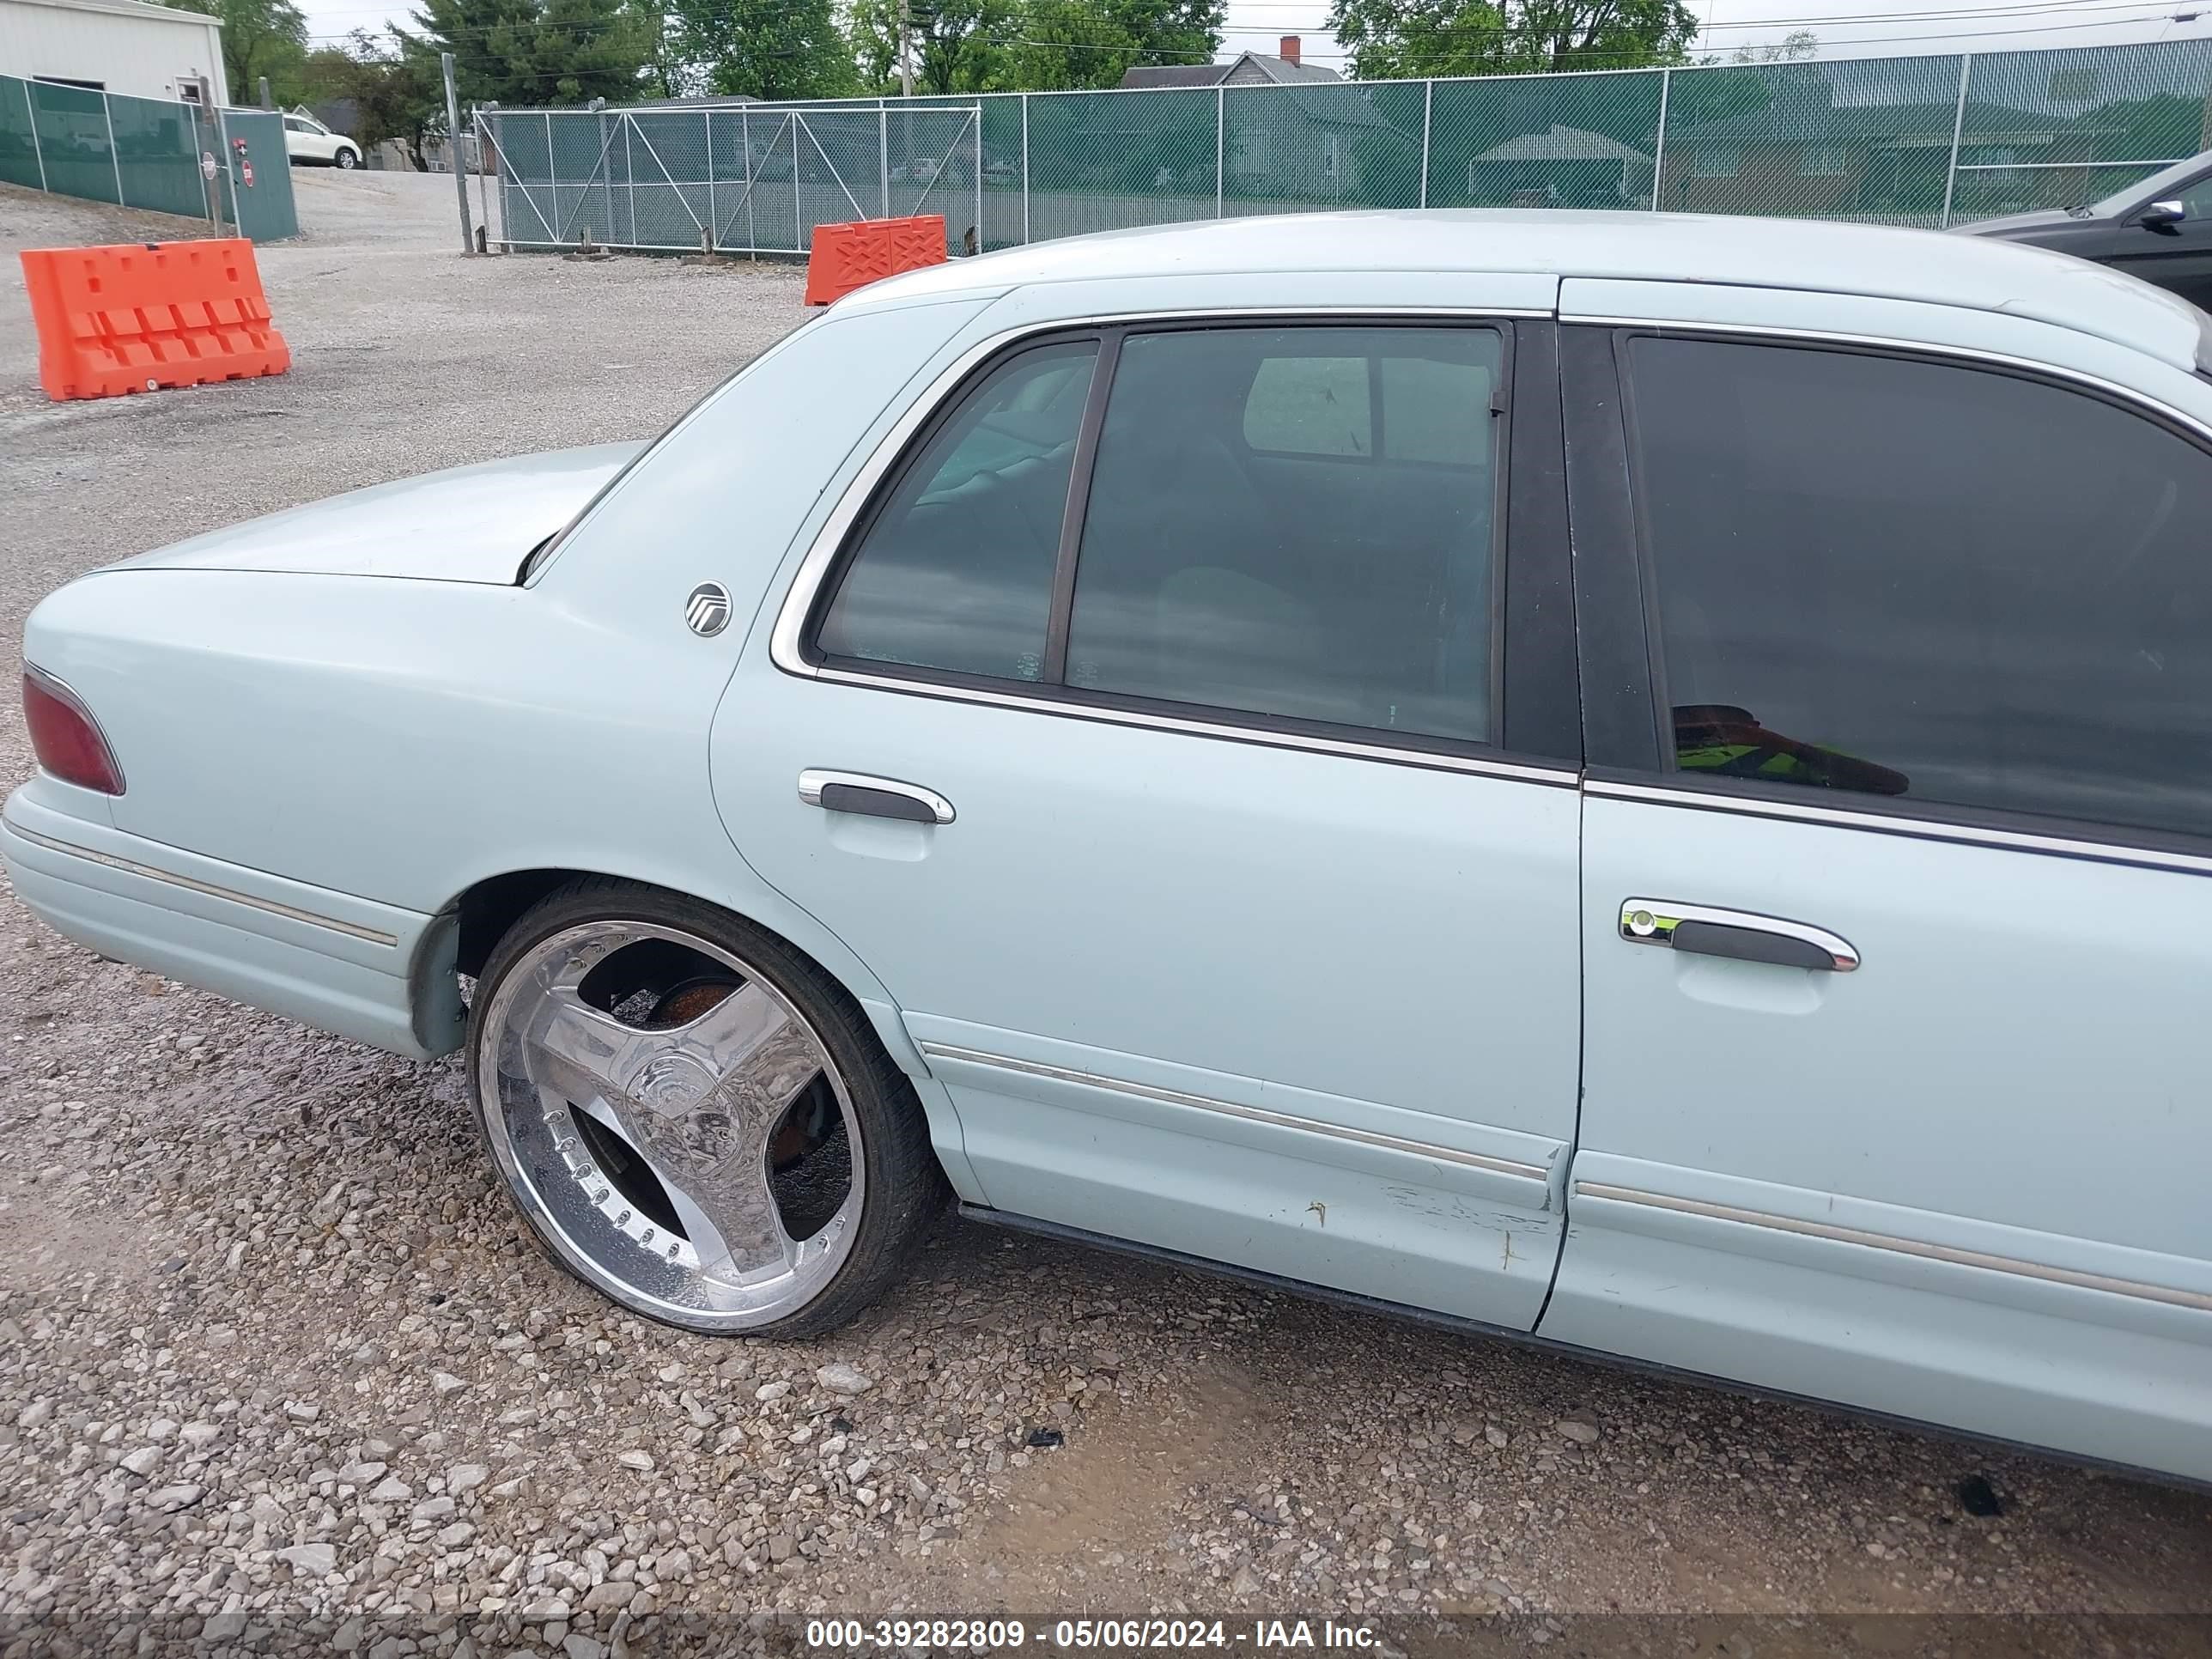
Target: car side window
{"points": [[1231, 558], [1885, 577], [955, 572], [2196, 199]]}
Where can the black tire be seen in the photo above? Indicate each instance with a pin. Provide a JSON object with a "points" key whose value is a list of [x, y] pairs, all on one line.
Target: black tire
{"points": [[347, 159], [905, 1189]]}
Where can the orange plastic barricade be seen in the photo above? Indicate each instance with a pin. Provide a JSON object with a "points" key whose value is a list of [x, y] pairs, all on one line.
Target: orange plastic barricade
{"points": [[846, 257], [149, 314]]}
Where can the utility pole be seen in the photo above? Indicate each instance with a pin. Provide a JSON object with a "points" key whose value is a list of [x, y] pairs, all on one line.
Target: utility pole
{"points": [[454, 150], [906, 59]]}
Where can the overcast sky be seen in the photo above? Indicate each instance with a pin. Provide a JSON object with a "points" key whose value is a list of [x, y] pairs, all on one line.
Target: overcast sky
{"points": [[1877, 27]]}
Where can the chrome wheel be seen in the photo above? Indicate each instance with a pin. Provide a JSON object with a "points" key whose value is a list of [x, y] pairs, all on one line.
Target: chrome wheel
{"points": [[671, 1123]]}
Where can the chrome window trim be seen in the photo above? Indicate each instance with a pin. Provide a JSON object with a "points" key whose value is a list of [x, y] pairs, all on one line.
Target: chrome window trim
{"points": [[2017, 840], [785, 640], [1522, 771], [1946, 1252], [2029, 366], [131, 866], [1652, 921], [1506, 1166]]}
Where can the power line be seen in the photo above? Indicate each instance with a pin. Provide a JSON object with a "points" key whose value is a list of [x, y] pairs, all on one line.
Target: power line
{"points": [[2012, 8], [2160, 13], [2019, 8]]}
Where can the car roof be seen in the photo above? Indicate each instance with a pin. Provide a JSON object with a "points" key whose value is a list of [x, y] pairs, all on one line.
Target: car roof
{"points": [[1813, 255]]}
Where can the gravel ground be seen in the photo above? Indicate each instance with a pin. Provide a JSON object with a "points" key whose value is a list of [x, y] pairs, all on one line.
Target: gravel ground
{"points": [[276, 1357]]}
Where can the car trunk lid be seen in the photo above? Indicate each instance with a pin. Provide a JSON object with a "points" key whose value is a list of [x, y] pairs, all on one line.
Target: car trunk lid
{"points": [[469, 524]]}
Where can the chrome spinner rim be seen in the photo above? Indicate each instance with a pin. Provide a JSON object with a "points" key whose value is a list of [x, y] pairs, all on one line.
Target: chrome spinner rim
{"points": [[656, 1155]]}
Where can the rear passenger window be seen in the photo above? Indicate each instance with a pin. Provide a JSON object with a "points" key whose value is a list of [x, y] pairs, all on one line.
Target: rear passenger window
{"points": [[955, 573], [1231, 557], [1310, 406], [1893, 578]]}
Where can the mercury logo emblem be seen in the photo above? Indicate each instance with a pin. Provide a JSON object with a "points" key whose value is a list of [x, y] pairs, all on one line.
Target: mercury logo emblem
{"points": [[707, 610]]}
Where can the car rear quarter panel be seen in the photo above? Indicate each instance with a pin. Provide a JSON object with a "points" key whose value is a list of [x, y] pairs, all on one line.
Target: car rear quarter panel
{"points": [[400, 740]]}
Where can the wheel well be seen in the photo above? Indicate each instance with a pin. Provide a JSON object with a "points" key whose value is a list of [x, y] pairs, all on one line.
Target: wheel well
{"points": [[495, 904]]}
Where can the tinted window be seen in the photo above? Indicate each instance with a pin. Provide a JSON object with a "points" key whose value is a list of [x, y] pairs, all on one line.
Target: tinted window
{"points": [[1258, 540], [2197, 199], [1915, 580], [955, 571], [1310, 406]]}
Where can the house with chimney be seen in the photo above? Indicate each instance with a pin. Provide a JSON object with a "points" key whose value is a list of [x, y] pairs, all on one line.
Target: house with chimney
{"points": [[1300, 134], [1250, 69]]}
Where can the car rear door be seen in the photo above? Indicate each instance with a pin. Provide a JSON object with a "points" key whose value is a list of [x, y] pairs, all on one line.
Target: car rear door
{"points": [[1173, 780], [1896, 876]]}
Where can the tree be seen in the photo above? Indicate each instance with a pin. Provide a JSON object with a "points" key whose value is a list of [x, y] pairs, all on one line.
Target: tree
{"points": [[1092, 43], [259, 37], [588, 49], [530, 52], [1798, 46], [391, 94], [1396, 39], [668, 73], [773, 49], [492, 42], [955, 45]]}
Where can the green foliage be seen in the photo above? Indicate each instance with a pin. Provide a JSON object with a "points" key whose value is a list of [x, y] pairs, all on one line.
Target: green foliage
{"points": [[493, 43], [532, 52], [1391, 39], [774, 49], [955, 45], [668, 73], [1092, 43], [259, 37], [1028, 45], [394, 96], [588, 49]]}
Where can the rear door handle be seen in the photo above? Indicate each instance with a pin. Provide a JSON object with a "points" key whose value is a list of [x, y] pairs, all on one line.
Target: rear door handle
{"points": [[872, 797], [1712, 932]]}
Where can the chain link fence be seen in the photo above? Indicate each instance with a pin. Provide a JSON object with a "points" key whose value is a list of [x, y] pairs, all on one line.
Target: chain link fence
{"points": [[1918, 141], [144, 153], [748, 179]]}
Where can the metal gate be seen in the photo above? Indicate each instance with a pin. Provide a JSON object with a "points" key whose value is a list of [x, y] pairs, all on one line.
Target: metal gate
{"points": [[750, 178]]}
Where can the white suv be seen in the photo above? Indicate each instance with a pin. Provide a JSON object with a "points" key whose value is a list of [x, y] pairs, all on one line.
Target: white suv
{"points": [[306, 139]]}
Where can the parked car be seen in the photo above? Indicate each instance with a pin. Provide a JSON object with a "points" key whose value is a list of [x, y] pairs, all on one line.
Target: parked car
{"points": [[306, 139], [2158, 229], [1631, 780]]}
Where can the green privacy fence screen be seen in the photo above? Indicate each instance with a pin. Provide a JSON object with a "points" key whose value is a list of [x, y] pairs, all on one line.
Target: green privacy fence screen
{"points": [[1920, 140], [142, 153]]}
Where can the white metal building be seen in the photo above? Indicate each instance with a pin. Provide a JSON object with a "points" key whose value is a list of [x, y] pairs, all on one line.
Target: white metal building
{"points": [[123, 46]]}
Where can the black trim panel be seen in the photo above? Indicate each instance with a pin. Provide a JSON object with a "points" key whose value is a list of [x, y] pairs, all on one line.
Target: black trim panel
{"points": [[1620, 725], [875, 803], [1078, 507], [1534, 645]]}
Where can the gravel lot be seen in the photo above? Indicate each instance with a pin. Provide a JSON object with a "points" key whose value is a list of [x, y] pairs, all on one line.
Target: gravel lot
{"points": [[275, 1359]]}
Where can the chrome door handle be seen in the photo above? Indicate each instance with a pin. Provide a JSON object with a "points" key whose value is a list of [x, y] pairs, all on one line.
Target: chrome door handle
{"points": [[871, 797], [1712, 931]]}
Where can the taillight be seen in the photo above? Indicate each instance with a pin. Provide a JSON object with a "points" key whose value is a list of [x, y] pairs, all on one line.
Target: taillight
{"points": [[65, 738]]}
